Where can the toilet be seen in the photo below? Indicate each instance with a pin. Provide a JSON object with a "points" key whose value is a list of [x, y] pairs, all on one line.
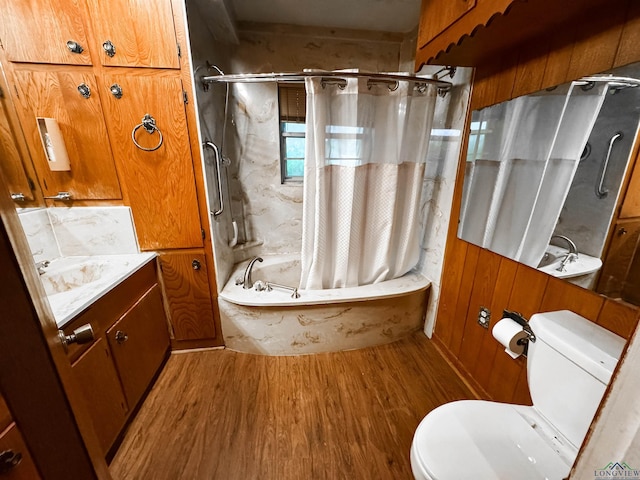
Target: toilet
{"points": [[568, 368]]}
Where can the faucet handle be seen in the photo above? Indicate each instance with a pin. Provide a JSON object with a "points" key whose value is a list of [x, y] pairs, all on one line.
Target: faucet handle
{"points": [[239, 281]]}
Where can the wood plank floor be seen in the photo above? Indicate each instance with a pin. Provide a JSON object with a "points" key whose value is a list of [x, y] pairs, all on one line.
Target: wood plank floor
{"points": [[226, 415]]}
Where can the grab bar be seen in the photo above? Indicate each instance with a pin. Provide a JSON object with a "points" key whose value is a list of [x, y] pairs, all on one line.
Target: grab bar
{"points": [[602, 192], [270, 286], [216, 150]]}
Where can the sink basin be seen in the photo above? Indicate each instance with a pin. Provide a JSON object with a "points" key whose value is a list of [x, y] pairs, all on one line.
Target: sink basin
{"points": [[553, 257], [74, 283]]}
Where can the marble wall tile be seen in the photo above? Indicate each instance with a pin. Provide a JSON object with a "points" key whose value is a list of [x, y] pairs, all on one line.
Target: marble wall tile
{"points": [[42, 240], [94, 230]]}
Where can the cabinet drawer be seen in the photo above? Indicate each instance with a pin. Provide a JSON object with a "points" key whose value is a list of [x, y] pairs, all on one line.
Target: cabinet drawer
{"points": [[98, 380], [10, 439], [139, 342], [113, 305]]}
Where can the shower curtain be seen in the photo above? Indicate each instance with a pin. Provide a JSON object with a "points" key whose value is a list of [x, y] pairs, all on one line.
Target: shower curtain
{"points": [[364, 163], [525, 154]]}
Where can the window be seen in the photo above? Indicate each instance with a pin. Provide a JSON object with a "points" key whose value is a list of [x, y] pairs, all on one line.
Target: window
{"points": [[477, 136], [292, 101]]}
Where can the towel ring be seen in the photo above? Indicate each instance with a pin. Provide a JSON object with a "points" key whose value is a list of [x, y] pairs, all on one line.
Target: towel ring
{"points": [[149, 124]]}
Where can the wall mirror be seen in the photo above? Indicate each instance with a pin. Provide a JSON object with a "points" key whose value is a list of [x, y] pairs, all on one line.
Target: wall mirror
{"points": [[545, 179]]}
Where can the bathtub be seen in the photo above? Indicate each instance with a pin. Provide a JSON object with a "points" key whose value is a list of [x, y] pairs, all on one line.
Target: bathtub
{"points": [[274, 323]]}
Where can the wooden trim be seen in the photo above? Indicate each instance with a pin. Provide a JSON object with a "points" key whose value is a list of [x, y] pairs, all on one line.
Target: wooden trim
{"points": [[186, 73], [33, 365]]}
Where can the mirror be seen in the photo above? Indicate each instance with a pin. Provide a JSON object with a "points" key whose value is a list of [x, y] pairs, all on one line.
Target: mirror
{"points": [[14, 154], [544, 179]]}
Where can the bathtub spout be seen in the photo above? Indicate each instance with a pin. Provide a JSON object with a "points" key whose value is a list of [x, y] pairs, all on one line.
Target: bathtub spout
{"points": [[247, 283]]}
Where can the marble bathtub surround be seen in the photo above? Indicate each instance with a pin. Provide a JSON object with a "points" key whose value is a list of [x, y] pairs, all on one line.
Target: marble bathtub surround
{"points": [[56, 232]]}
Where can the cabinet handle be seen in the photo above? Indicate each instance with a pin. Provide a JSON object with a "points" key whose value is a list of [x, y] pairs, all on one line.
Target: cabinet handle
{"points": [[9, 460], [63, 196], [196, 265], [109, 48], [116, 90], [121, 337], [74, 47], [84, 90], [82, 334], [18, 197], [622, 231]]}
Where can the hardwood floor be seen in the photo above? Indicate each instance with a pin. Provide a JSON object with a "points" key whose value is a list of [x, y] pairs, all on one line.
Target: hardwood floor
{"points": [[225, 415]]}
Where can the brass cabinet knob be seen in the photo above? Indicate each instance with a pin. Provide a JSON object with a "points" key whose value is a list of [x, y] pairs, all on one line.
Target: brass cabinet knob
{"points": [[109, 48], [121, 337], [196, 265], [9, 460], [74, 47]]}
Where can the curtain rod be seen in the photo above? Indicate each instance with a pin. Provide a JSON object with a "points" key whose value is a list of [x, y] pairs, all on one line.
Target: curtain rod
{"points": [[421, 81]]}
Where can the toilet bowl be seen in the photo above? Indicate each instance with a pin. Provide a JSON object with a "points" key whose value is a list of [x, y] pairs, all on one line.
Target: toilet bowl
{"points": [[568, 368]]}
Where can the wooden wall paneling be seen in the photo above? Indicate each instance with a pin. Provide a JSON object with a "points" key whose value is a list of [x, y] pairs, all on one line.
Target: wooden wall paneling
{"points": [[188, 296], [619, 317], [531, 67], [631, 202], [146, 39], [631, 288], [560, 50], [484, 285], [451, 279], [526, 296], [630, 39], [562, 295], [489, 345], [29, 34], [597, 42], [464, 297], [506, 78], [52, 91], [160, 184]]}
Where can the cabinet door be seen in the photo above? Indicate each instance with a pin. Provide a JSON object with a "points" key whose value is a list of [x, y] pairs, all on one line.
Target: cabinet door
{"points": [[12, 149], [53, 93], [99, 382], [139, 342], [142, 34], [631, 204], [186, 285], [37, 31], [11, 440], [160, 184]]}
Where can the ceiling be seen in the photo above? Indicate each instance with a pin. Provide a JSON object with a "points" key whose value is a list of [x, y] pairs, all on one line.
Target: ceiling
{"points": [[377, 15]]}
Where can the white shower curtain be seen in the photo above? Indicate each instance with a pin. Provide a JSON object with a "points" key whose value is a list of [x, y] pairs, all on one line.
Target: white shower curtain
{"points": [[364, 164], [527, 153]]}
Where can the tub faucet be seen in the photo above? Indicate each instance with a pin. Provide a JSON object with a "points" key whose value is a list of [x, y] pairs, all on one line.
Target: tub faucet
{"points": [[247, 283], [40, 266], [572, 256]]}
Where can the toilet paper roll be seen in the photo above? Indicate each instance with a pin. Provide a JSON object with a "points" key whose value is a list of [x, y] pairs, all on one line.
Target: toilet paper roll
{"points": [[508, 332]]}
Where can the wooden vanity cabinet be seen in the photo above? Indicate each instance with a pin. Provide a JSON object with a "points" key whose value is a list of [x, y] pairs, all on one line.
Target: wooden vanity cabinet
{"points": [[99, 382], [139, 342], [132, 342]]}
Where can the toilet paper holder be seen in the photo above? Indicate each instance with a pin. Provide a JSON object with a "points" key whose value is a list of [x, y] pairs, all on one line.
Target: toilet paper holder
{"points": [[518, 318]]}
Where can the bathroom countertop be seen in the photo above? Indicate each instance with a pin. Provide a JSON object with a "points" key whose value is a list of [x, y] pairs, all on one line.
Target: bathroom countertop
{"points": [[74, 283]]}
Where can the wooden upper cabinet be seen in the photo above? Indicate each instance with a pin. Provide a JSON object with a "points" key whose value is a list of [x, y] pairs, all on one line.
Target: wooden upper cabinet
{"points": [[158, 173], [139, 34], [44, 31], [631, 203], [438, 15], [53, 92]]}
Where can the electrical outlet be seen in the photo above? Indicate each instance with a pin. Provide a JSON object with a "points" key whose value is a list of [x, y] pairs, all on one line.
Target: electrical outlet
{"points": [[484, 317]]}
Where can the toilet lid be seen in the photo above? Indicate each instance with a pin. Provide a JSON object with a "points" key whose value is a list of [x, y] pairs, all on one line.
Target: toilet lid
{"points": [[473, 439]]}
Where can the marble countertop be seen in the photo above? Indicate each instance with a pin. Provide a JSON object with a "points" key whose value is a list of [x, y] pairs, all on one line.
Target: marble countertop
{"points": [[73, 283]]}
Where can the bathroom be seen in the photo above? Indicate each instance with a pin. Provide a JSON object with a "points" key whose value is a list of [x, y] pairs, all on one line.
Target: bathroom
{"points": [[473, 277]]}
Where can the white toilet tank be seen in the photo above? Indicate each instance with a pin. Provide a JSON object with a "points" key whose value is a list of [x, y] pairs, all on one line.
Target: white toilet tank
{"points": [[568, 368]]}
